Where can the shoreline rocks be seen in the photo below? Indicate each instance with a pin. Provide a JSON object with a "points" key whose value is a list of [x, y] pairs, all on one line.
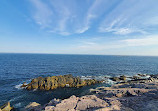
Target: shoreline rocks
{"points": [[132, 95], [74, 103], [50, 83], [6, 107], [139, 92]]}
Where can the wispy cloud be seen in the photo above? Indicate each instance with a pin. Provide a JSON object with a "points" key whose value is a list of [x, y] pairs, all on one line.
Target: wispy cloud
{"points": [[117, 17], [89, 16], [129, 17], [83, 29], [96, 10], [42, 14], [50, 16], [123, 30]]}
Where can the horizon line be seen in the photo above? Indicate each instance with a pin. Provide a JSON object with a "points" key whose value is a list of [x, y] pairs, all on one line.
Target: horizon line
{"points": [[72, 54]]}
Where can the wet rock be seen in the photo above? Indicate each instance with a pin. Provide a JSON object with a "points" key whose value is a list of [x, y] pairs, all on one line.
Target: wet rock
{"points": [[135, 77], [33, 107], [154, 76], [115, 78], [50, 83], [123, 77], [6, 107], [24, 85], [142, 75]]}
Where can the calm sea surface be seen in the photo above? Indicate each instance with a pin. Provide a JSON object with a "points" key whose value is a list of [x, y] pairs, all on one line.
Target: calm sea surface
{"points": [[18, 68]]}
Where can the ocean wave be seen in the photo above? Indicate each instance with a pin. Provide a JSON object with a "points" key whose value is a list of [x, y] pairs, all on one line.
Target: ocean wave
{"points": [[104, 77], [18, 86], [87, 77]]}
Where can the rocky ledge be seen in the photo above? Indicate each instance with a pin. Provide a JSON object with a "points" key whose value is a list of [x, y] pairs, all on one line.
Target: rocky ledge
{"points": [[132, 95], [50, 83]]}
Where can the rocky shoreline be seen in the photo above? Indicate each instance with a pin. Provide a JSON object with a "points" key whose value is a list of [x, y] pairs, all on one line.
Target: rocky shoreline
{"points": [[136, 93]]}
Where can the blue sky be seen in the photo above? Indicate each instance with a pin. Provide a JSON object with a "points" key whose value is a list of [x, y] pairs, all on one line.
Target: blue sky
{"points": [[108, 27]]}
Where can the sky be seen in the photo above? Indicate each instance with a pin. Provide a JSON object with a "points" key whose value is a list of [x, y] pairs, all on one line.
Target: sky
{"points": [[102, 27]]}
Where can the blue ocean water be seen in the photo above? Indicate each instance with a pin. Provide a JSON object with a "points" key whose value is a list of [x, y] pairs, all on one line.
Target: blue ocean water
{"points": [[18, 68]]}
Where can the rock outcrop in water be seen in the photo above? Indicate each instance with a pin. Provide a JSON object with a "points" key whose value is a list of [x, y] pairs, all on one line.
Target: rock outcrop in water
{"points": [[50, 83]]}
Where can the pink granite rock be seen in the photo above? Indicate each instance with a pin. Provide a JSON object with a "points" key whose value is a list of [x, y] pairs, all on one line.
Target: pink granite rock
{"points": [[75, 103], [90, 102]]}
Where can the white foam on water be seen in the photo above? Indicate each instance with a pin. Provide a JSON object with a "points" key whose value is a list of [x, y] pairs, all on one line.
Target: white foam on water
{"points": [[67, 85], [87, 77], [34, 90], [94, 77], [15, 98], [18, 105], [110, 82], [104, 78], [18, 86]]}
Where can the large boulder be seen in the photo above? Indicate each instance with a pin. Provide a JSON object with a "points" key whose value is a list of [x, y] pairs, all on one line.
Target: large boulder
{"points": [[50, 83]]}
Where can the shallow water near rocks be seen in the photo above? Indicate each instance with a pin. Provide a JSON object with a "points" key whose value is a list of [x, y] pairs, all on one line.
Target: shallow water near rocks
{"points": [[18, 68]]}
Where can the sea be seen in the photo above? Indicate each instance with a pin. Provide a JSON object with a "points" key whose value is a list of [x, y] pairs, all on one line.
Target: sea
{"points": [[18, 68]]}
